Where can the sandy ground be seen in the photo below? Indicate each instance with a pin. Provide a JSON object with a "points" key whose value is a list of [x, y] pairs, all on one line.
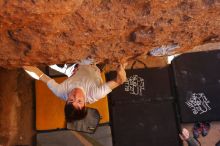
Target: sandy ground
{"points": [[16, 108]]}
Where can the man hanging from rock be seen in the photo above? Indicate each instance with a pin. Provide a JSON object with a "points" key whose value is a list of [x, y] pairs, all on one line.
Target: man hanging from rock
{"points": [[83, 86]]}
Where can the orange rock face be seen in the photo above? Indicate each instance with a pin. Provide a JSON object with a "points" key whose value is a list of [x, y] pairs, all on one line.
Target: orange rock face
{"points": [[37, 32]]}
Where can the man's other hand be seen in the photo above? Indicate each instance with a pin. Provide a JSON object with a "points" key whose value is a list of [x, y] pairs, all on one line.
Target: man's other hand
{"points": [[121, 74]]}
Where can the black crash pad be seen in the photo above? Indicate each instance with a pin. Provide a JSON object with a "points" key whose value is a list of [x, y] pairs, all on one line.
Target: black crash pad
{"points": [[143, 85], [146, 124], [197, 80]]}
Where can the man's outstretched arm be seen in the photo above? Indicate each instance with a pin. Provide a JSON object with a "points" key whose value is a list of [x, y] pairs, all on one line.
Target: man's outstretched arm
{"points": [[56, 88], [36, 73], [120, 79], [104, 89]]}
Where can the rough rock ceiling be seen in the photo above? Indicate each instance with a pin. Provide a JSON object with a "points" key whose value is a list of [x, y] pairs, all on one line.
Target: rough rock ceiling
{"points": [[57, 31]]}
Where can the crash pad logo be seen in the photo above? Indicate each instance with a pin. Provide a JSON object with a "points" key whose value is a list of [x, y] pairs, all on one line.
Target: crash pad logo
{"points": [[198, 103], [135, 85]]}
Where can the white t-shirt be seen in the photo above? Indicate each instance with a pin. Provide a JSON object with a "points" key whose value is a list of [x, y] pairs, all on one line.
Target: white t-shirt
{"points": [[88, 78]]}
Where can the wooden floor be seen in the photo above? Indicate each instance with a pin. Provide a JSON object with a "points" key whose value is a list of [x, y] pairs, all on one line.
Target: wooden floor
{"points": [[213, 136]]}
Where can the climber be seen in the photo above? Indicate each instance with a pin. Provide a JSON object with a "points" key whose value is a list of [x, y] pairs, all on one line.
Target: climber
{"points": [[83, 86]]}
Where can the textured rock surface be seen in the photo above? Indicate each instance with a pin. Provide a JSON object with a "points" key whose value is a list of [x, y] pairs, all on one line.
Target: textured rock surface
{"points": [[47, 32]]}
